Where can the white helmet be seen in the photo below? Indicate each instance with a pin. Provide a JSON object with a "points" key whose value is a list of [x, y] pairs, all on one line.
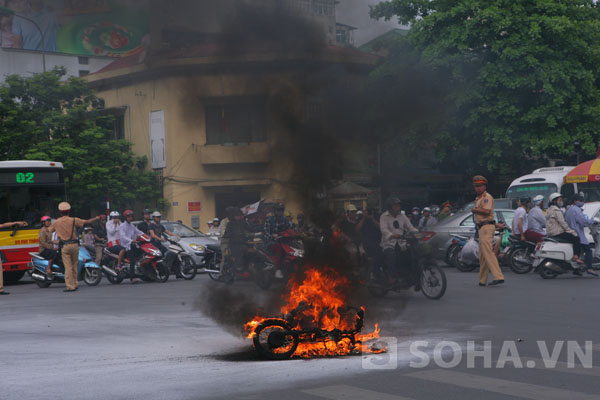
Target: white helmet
{"points": [[552, 197], [156, 214], [114, 214], [538, 199]]}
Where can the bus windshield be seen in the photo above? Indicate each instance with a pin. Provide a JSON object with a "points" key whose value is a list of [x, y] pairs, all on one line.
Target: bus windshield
{"points": [[30, 203], [591, 190], [532, 190]]}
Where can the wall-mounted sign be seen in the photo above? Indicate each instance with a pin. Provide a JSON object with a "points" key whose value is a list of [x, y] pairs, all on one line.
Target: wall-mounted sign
{"points": [[194, 206]]}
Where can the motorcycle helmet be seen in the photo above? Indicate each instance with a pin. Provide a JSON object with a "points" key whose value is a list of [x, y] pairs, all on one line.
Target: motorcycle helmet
{"points": [[278, 207], [578, 197], [554, 197], [146, 211], [538, 199], [45, 218], [524, 200], [113, 214], [128, 213], [391, 201], [427, 209], [156, 214]]}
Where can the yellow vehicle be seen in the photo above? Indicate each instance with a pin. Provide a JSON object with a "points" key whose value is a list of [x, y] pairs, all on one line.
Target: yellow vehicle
{"points": [[28, 191]]}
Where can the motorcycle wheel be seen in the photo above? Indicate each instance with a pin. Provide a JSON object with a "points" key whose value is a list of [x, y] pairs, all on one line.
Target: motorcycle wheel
{"points": [[162, 273], [274, 339], [519, 267], [461, 266], [43, 284], [547, 273], [188, 269], [92, 276], [263, 278], [433, 282], [115, 280], [449, 259]]}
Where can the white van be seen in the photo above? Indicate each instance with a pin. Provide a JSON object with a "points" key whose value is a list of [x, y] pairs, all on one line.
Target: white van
{"points": [[544, 181]]}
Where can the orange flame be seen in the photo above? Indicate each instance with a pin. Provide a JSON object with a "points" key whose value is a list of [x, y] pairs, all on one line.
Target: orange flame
{"points": [[318, 300]]}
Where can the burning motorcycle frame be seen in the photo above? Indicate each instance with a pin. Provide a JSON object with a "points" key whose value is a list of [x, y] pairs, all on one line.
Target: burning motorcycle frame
{"points": [[275, 339]]}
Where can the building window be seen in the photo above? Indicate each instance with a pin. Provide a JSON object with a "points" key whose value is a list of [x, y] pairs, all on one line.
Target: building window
{"points": [[83, 60], [83, 73], [236, 121], [340, 36], [119, 127]]}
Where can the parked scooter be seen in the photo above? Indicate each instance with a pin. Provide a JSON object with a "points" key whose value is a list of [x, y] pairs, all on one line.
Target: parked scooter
{"points": [[148, 267], [182, 264], [520, 255], [554, 257], [87, 270]]}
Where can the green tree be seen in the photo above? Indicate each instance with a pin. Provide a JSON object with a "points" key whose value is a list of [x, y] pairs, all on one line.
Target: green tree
{"points": [[44, 118], [522, 74]]}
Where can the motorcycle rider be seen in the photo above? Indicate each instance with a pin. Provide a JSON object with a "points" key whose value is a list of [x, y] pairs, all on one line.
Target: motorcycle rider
{"points": [[415, 216], [276, 224], [156, 231], [145, 224], [47, 244], [536, 222], [557, 227], [577, 220], [394, 225], [214, 227], [128, 234], [519, 223], [427, 219], [235, 236], [114, 238]]}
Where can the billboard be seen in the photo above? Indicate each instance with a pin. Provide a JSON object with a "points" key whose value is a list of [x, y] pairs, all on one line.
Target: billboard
{"points": [[113, 28]]}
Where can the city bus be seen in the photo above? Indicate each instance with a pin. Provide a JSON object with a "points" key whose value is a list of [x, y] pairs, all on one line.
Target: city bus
{"points": [[544, 181], [28, 191]]}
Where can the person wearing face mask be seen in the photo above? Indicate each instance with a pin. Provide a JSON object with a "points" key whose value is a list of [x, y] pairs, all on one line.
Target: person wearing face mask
{"points": [[415, 216], [557, 227], [577, 220]]}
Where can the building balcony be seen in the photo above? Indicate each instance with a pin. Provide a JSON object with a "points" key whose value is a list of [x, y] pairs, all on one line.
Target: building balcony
{"points": [[251, 153]]}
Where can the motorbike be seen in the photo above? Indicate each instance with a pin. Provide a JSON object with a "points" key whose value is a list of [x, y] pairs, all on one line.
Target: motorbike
{"points": [[87, 269], [453, 254], [182, 264], [148, 267], [554, 257], [420, 273], [520, 255], [279, 259]]}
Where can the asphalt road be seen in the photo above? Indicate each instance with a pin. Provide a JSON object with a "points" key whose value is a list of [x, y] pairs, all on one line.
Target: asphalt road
{"points": [[151, 341]]}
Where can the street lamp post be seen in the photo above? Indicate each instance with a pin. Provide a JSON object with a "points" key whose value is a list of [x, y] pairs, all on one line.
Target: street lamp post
{"points": [[8, 11]]}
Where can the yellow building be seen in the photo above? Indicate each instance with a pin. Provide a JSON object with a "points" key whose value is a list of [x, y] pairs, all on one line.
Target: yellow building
{"points": [[217, 127]]}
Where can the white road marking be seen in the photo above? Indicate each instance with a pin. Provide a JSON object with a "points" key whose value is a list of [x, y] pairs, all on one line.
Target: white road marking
{"points": [[510, 388], [345, 392]]}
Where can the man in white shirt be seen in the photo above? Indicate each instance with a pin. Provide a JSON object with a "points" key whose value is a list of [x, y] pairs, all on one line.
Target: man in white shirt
{"points": [[394, 225], [519, 223], [129, 234]]}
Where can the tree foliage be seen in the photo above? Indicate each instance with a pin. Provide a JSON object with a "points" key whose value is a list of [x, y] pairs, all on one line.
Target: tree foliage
{"points": [[43, 118], [522, 74]]}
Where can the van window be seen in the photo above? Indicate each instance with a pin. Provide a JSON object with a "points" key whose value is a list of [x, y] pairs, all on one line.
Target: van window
{"points": [[532, 190]]}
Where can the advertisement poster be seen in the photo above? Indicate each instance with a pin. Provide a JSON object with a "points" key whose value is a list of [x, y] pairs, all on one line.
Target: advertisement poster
{"points": [[113, 28]]}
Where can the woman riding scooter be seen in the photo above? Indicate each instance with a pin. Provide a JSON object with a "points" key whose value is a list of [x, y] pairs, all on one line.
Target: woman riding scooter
{"points": [[557, 227]]}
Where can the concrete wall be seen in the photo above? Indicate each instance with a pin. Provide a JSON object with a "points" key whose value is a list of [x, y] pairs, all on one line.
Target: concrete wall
{"points": [[26, 63]]}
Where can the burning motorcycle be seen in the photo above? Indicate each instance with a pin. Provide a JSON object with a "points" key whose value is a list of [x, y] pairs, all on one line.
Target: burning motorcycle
{"points": [[148, 267], [87, 270], [419, 272]]}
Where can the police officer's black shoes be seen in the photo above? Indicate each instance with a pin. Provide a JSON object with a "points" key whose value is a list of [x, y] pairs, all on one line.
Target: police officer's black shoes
{"points": [[70, 290], [4, 293], [496, 282], [482, 284]]}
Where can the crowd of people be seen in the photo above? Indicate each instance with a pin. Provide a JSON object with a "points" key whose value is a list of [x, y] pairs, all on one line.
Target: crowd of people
{"points": [[559, 222]]}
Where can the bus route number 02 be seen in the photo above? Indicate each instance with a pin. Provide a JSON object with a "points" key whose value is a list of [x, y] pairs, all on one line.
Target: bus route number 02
{"points": [[25, 177]]}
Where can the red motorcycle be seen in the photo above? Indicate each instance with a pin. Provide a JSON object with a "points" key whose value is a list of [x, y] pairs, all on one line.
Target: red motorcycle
{"points": [[279, 258], [149, 264]]}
